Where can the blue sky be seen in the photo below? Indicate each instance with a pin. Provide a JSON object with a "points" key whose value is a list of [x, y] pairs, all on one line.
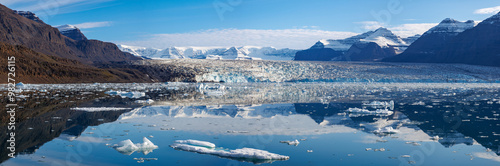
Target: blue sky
{"points": [[279, 23]]}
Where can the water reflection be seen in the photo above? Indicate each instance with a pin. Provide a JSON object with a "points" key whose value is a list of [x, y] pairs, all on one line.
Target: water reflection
{"points": [[426, 113]]}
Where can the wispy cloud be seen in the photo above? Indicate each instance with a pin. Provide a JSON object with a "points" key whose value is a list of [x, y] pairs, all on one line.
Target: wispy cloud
{"points": [[371, 25], [45, 9], [403, 30], [285, 38], [490, 10], [407, 30], [88, 25]]}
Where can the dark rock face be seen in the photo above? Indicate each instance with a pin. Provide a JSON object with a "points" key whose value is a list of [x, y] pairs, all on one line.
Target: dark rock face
{"points": [[368, 52], [29, 15], [43, 38], [426, 48], [323, 54], [477, 46], [74, 34]]}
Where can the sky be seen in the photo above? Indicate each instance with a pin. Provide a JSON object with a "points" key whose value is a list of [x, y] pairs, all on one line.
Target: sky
{"points": [[296, 24]]}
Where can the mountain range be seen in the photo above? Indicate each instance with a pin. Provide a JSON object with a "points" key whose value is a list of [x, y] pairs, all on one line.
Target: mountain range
{"points": [[369, 46], [228, 53], [451, 41]]}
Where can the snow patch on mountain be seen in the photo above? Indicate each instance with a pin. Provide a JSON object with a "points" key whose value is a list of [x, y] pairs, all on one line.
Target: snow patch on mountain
{"points": [[63, 28], [382, 36], [452, 26], [231, 53]]}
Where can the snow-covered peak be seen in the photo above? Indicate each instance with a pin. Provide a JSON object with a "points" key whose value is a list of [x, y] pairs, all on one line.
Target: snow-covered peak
{"points": [[232, 53], [382, 36], [451, 26], [66, 27]]}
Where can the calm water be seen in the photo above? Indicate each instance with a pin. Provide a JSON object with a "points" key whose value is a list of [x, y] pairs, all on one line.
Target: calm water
{"points": [[436, 124]]}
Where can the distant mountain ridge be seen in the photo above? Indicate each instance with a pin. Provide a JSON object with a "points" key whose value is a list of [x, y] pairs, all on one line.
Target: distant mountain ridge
{"points": [[369, 46], [228, 53]]}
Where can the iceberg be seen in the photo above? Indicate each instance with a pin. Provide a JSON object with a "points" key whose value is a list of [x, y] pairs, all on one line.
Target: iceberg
{"points": [[295, 143], [196, 143], [386, 130], [380, 104], [127, 147], [133, 95], [365, 111], [148, 101], [255, 156]]}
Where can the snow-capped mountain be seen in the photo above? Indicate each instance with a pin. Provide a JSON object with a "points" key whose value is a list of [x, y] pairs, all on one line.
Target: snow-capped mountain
{"points": [[451, 26], [369, 46], [231, 53], [382, 36], [71, 31]]}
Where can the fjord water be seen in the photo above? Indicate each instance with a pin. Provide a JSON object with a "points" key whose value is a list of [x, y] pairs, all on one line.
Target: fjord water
{"points": [[435, 124]]}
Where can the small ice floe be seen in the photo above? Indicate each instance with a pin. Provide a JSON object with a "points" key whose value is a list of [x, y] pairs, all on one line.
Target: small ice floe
{"points": [[379, 150], [148, 101], [196, 143], [132, 95], [245, 154], [368, 149], [294, 143], [386, 130], [435, 138], [309, 151], [418, 103], [365, 111], [141, 159], [380, 104], [98, 109], [405, 156], [127, 147]]}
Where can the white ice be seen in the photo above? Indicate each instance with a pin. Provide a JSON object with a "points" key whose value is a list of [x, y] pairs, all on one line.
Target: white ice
{"points": [[245, 153], [123, 94], [98, 109], [294, 143], [365, 111], [196, 143], [127, 147], [386, 130]]}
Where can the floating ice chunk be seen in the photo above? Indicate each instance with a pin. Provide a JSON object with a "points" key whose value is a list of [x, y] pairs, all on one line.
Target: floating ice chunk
{"points": [[148, 101], [365, 111], [380, 104], [98, 109], [418, 103], [244, 154], [295, 143], [127, 147], [196, 143], [123, 94], [386, 130], [435, 138]]}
